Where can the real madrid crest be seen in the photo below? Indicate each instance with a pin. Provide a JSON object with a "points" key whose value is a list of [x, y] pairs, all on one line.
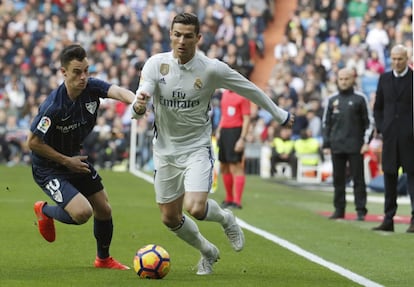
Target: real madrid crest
{"points": [[164, 69], [198, 84]]}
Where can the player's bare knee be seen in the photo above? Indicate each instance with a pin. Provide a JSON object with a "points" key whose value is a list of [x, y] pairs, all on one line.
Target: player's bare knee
{"points": [[82, 216], [198, 211], [103, 213], [79, 209], [195, 208], [108, 213]]}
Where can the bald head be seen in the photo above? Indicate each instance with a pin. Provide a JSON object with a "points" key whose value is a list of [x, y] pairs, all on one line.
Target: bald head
{"points": [[401, 49], [345, 72], [346, 79], [399, 58]]}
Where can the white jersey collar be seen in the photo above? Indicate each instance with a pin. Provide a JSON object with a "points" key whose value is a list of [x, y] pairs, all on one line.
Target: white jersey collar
{"points": [[187, 66], [402, 74]]}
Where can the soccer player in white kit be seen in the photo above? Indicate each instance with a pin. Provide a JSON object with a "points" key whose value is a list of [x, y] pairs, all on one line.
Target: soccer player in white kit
{"points": [[181, 83]]}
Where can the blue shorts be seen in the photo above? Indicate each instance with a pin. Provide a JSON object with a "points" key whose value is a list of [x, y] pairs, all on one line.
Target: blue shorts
{"points": [[62, 185]]}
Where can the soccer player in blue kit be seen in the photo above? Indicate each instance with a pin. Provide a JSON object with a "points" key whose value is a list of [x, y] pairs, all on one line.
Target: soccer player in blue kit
{"points": [[64, 120], [181, 83]]}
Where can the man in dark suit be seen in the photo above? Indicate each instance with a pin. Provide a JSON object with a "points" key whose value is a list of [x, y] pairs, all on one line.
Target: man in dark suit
{"points": [[393, 113]]}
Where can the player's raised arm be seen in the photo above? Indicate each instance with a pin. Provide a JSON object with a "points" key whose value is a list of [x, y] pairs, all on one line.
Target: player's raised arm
{"points": [[231, 79]]}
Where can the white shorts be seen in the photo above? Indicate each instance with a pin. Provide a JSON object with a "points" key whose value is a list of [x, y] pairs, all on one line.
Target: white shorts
{"points": [[175, 175]]}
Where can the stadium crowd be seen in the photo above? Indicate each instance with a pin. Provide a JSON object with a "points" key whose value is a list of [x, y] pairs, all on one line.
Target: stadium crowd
{"points": [[118, 36], [321, 37]]}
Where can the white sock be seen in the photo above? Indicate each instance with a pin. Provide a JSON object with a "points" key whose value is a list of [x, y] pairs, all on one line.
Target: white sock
{"points": [[189, 232], [216, 213]]}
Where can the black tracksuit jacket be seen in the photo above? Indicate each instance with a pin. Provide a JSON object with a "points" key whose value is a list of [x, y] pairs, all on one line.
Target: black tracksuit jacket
{"points": [[347, 122]]}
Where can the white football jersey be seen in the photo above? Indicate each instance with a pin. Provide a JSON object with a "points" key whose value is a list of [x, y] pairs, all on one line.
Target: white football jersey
{"points": [[181, 97]]}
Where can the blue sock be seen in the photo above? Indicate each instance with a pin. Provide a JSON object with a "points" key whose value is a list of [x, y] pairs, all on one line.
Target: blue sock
{"points": [[103, 229], [58, 213]]}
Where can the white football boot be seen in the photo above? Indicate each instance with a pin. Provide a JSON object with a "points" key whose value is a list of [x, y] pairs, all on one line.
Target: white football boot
{"points": [[205, 265], [234, 232]]}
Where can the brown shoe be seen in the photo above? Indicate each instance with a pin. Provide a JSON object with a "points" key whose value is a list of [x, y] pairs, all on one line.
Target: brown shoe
{"points": [[385, 226], [411, 228]]}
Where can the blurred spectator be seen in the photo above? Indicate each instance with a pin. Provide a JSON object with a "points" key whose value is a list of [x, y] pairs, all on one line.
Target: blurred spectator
{"points": [[118, 36], [261, 9], [301, 121], [377, 40], [285, 49], [314, 127], [16, 139], [330, 53], [14, 90], [114, 148], [373, 64], [356, 61], [294, 30], [257, 27], [404, 29], [357, 8], [283, 151], [297, 65], [96, 141], [226, 28], [308, 149], [288, 96]]}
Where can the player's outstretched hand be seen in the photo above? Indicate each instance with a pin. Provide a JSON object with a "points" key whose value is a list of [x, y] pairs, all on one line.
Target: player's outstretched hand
{"points": [[289, 124]]}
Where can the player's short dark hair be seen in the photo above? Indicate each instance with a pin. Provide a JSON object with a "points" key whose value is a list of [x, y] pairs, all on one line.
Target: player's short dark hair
{"points": [[72, 52], [187, 19]]}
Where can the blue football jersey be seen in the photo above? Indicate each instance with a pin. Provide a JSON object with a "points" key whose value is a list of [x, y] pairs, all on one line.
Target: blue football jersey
{"points": [[64, 124]]}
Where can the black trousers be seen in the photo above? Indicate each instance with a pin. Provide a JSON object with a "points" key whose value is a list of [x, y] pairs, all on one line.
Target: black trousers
{"points": [[291, 160], [390, 204], [356, 164]]}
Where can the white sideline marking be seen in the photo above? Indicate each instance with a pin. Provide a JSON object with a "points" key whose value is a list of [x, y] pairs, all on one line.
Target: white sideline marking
{"points": [[310, 256], [401, 200], [292, 247], [143, 175]]}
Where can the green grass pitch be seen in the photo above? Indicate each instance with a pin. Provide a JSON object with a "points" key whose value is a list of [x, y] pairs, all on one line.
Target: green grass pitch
{"points": [[289, 213]]}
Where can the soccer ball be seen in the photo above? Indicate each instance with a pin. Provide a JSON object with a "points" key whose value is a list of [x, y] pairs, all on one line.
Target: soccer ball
{"points": [[152, 262]]}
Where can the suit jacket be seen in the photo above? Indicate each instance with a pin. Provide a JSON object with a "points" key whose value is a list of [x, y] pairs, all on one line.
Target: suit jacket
{"points": [[393, 113]]}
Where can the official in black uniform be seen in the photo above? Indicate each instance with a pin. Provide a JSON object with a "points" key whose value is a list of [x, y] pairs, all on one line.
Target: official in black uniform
{"points": [[347, 127], [393, 112]]}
